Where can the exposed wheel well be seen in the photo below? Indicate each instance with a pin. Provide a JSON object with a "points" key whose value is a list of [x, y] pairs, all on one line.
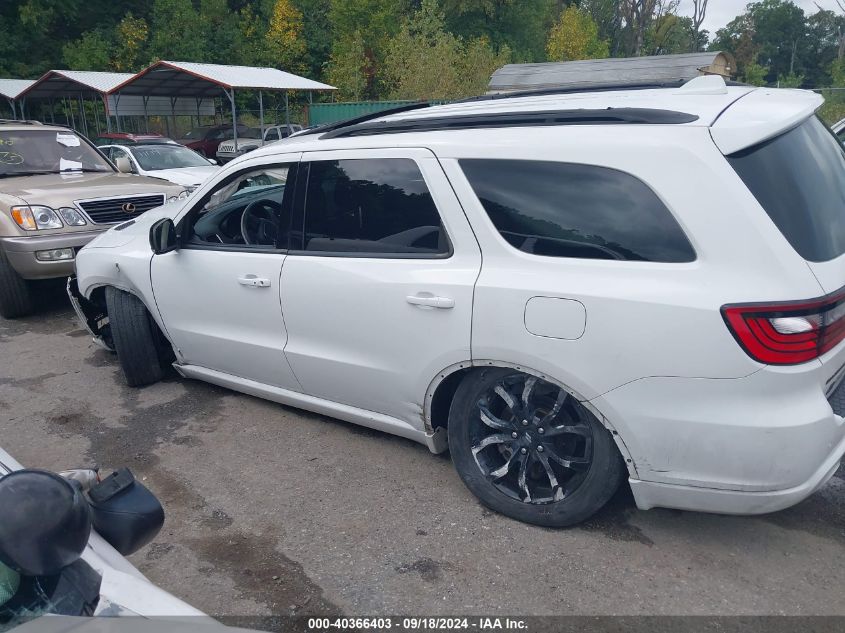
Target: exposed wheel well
{"points": [[444, 393]]}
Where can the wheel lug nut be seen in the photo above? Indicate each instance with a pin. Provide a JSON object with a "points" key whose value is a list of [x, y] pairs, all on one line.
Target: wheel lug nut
{"points": [[514, 435], [523, 450], [525, 423], [541, 430], [540, 449]]}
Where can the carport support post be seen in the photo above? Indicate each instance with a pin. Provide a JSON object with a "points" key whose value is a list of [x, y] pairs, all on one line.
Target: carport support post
{"points": [[231, 95], [145, 99], [261, 115], [14, 109], [287, 109]]}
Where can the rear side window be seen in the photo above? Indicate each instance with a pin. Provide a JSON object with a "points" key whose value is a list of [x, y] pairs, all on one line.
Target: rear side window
{"points": [[371, 207], [570, 210], [799, 179]]}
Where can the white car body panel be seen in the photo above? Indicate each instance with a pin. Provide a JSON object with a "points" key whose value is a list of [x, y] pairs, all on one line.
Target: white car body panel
{"points": [[650, 353], [124, 590]]}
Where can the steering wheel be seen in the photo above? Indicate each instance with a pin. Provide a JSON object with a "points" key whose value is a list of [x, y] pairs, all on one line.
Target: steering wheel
{"points": [[260, 222]]}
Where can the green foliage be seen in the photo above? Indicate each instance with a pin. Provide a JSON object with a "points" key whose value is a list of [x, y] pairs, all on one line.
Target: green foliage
{"points": [[575, 36], [92, 51], [790, 81], [755, 74], [425, 61], [349, 68]]}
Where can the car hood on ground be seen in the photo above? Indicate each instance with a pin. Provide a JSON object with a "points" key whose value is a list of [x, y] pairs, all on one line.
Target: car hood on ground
{"points": [[186, 176], [58, 190]]}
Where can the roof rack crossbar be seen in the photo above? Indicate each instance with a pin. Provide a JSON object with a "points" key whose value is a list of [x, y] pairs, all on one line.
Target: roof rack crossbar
{"points": [[642, 116]]}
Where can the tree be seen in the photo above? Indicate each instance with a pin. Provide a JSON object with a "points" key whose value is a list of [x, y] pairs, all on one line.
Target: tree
{"points": [[425, 61], [178, 32], [348, 68], [92, 51], [755, 74], [284, 46], [575, 36], [521, 25], [608, 17], [699, 13], [637, 15], [132, 34], [317, 33]]}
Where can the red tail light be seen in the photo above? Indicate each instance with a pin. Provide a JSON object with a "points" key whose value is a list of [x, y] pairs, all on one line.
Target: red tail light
{"points": [[791, 332]]}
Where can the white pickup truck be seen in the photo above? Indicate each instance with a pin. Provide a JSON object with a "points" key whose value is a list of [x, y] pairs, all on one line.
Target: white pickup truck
{"points": [[252, 139]]}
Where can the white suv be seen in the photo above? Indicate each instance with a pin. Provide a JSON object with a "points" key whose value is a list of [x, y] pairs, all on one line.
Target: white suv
{"points": [[563, 289]]}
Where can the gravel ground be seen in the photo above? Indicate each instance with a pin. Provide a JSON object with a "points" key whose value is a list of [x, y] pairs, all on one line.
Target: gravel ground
{"points": [[274, 511]]}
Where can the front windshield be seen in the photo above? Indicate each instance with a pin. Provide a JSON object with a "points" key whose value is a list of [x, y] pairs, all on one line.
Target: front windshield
{"points": [[47, 151], [153, 158]]}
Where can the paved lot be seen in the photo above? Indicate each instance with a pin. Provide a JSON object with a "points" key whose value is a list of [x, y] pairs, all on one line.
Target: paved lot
{"points": [[276, 511]]}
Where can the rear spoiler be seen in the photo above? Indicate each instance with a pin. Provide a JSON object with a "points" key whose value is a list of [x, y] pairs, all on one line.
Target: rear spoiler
{"points": [[760, 115]]}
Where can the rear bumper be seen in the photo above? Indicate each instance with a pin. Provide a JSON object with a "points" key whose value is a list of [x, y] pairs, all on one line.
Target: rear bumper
{"points": [[738, 446], [20, 252]]}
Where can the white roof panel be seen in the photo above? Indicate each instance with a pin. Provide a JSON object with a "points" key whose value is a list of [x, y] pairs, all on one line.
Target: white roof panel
{"points": [[250, 77], [11, 88]]}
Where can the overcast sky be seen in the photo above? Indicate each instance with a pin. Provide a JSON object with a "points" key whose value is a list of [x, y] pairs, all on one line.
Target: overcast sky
{"points": [[720, 12]]}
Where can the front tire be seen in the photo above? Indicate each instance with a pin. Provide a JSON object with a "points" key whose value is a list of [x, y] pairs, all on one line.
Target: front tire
{"points": [[528, 449], [137, 339], [15, 291]]}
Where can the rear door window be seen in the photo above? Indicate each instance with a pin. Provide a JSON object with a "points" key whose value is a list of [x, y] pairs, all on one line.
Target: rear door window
{"points": [[572, 210], [799, 180]]}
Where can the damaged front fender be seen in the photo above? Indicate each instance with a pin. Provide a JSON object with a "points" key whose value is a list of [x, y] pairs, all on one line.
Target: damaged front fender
{"points": [[92, 317]]}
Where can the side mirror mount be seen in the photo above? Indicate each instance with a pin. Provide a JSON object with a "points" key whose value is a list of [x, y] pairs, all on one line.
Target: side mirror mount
{"points": [[163, 238], [123, 164]]}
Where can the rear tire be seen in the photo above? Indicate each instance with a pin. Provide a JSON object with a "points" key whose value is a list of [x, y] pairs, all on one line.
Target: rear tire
{"points": [[15, 291], [137, 339], [529, 450]]}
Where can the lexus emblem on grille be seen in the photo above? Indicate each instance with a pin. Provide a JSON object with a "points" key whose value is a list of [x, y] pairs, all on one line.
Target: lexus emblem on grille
{"points": [[128, 207]]}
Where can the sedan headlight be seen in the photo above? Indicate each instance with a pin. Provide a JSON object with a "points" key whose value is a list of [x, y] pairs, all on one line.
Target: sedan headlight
{"points": [[31, 218], [72, 217]]}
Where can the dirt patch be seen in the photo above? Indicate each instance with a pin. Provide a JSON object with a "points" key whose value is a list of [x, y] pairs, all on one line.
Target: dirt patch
{"points": [[429, 570], [260, 572]]}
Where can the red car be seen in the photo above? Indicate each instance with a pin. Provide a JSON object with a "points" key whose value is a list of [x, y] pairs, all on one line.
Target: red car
{"points": [[205, 140], [125, 138]]}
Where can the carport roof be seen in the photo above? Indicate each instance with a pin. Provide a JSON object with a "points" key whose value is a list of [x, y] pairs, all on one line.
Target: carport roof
{"points": [[69, 83], [189, 79], [11, 88]]}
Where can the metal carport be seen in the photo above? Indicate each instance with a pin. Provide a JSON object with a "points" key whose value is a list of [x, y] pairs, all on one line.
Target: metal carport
{"points": [[11, 90], [190, 79], [75, 84]]}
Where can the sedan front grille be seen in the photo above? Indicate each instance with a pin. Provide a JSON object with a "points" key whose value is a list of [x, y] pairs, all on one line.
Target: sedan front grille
{"points": [[113, 210]]}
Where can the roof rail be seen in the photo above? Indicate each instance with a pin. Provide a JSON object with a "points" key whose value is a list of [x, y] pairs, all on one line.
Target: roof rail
{"points": [[642, 116], [330, 127]]}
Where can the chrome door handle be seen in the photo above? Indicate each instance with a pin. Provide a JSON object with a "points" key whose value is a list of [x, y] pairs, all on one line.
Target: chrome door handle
{"points": [[427, 300], [254, 281]]}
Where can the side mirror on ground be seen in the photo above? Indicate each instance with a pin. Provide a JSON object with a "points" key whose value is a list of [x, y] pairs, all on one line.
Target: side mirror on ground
{"points": [[163, 237], [123, 164], [125, 512]]}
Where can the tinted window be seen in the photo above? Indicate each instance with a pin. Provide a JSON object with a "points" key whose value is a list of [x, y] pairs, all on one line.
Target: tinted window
{"points": [[799, 179], [371, 206], [568, 210]]}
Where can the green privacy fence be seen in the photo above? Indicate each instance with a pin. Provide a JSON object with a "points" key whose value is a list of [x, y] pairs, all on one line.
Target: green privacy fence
{"points": [[322, 113]]}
